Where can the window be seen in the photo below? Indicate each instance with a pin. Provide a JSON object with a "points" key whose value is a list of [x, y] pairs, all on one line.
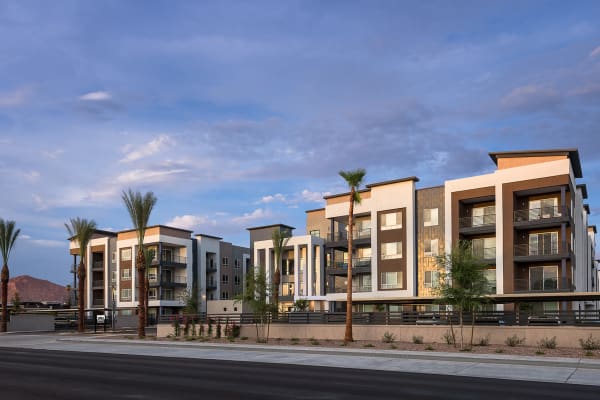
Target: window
{"points": [[126, 254], [126, 274], [391, 250], [225, 261], [543, 278], [224, 295], [490, 275], [430, 217], [484, 248], [114, 257], [543, 243], [113, 276], [544, 208], [392, 220], [237, 280], [152, 294], [431, 247], [432, 279], [152, 275], [315, 232], [225, 279], [391, 280], [125, 294], [237, 263], [484, 216]]}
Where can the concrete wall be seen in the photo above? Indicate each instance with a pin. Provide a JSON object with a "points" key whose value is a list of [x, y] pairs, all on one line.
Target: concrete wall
{"points": [[31, 323]]}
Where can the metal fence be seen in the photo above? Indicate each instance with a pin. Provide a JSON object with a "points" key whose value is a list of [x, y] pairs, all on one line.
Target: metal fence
{"points": [[583, 317]]}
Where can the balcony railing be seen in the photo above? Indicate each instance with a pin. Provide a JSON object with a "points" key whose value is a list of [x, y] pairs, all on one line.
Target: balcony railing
{"points": [[356, 234], [98, 283], [167, 258], [98, 302], [552, 284], [356, 262], [476, 221], [543, 213], [98, 264], [541, 249], [355, 289], [486, 253]]}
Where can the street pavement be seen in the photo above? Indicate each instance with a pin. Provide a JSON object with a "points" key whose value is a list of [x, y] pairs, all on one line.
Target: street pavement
{"points": [[523, 368]]}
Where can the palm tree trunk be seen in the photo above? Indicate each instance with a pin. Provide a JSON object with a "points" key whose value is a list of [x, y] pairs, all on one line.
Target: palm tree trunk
{"points": [[348, 333], [81, 288], [4, 277], [141, 271], [276, 283]]}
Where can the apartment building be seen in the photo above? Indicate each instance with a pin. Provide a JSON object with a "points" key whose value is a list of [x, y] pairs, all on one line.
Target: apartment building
{"points": [[526, 220], [179, 266]]}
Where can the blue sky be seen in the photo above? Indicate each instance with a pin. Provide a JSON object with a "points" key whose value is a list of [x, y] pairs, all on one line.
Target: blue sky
{"points": [[240, 114]]}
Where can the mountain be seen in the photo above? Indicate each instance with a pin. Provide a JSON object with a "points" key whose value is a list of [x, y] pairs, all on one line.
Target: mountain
{"points": [[35, 290]]}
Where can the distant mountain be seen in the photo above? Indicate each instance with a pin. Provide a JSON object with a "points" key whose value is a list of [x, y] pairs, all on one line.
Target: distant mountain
{"points": [[35, 290]]}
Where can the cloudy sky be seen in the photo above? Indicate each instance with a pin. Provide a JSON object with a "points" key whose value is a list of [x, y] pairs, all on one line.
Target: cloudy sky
{"points": [[239, 114]]}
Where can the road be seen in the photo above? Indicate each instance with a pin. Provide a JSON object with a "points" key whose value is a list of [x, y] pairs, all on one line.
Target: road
{"points": [[37, 374]]}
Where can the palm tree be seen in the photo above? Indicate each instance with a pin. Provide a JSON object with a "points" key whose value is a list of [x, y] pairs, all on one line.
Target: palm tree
{"points": [[353, 179], [280, 239], [81, 230], [139, 208], [8, 236]]}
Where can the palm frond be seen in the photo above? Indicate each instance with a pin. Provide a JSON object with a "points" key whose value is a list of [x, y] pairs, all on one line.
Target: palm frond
{"points": [[139, 208], [8, 237], [81, 230]]}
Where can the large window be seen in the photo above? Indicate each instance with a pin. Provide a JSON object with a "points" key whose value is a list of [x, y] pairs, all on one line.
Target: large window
{"points": [[543, 208], [431, 247], [125, 294], [543, 278], [126, 274], [484, 248], [484, 215], [152, 275], [490, 275], [432, 279], [126, 254], [391, 280], [152, 294], [392, 220], [315, 232], [225, 261], [543, 243], [225, 279], [430, 217], [391, 250]]}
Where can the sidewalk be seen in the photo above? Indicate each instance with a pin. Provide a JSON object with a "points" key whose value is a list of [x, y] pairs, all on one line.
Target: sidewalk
{"points": [[560, 370]]}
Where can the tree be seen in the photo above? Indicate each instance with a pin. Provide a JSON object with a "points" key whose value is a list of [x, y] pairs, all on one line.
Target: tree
{"points": [[353, 179], [301, 305], [81, 230], [139, 208], [8, 237], [16, 300], [256, 295], [280, 239], [462, 285]]}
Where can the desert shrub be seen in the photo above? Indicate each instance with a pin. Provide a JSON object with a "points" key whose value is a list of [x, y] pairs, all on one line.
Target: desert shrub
{"points": [[429, 347], [417, 339], [547, 343], [314, 341], [448, 338], [388, 337], [244, 338], [514, 340], [590, 343], [369, 345], [176, 327], [484, 341]]}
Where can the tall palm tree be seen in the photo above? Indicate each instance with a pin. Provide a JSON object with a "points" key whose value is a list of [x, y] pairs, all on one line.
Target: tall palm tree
{"points": [[81, 230], [8, 237], [139, 208], [353, 178], [280, 239]]}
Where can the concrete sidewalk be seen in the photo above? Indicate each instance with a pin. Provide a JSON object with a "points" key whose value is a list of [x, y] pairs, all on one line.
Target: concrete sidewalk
{"points": [[560, 370]]}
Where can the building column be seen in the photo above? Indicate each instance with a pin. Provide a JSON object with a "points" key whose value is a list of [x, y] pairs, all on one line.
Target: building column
{"points": [[297, 271], [310, 264]]}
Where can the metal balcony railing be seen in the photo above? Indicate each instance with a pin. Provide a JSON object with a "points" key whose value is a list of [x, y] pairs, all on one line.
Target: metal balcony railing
{"points": [[356, 234], [98, 264], [552, 284], [356, 262], [355, 289], [541, 249], [543, 213], [486, 253], [476, 221], [168, 258]]}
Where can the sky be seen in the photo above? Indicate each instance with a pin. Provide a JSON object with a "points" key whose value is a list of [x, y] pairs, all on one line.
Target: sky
{"points": [[239, 114]]}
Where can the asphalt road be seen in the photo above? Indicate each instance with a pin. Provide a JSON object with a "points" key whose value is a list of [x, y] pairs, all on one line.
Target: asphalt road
{"points": [[42, 374]]}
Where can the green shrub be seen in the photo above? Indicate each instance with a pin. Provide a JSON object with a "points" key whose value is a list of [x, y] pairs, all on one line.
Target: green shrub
{"points": [[388, 337], [484, 341], [590, 343], [448, 338], [368, 345], [514, 340], [546, 343], [244, 338], [589, 353], [539, 352], [417, 339], [429, 347], [393, 346], [499, 351], [314, 341]]}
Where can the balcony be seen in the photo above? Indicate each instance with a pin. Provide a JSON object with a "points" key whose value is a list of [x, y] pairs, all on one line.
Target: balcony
{"points": [[487, 254], [341, 238], [98, 302], [477, 224], [533, 218], [552, 284], [98, 284], [98, 265], [211, 285], [541, 252], [359, 266], [171, 260], [211, 268], [355, 289]]}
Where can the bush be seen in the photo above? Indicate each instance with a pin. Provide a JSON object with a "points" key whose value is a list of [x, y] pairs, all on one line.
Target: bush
{"points": [[176, 327], [546, 343], [314, 341], [514, 340], [429, 347], [244, 338], [448, 338], [590, 343], [484, 341], [388, 337], [368, 345], [417, 339]]}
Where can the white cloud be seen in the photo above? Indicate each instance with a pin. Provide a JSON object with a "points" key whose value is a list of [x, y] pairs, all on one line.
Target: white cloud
{"points": [[190, 222], [154, 146], [257, 214], [147, 176], [96, 96], [52, 155], [272, 198], [595, 52], [31, 176], [49, 242], [14, 98], [24, 237], [306, 196], [531, 96], [313, 197]]}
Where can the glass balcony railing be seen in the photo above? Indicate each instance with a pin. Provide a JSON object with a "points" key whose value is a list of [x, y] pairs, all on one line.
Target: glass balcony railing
{"points": [[541, 249], [486, 253], [543, 213], [476, 221], [356, 262], [356, 234]]}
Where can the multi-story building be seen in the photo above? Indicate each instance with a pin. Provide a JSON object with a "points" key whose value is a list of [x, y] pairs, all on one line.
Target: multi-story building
{"points": [[526, 221], [179, 266]]}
